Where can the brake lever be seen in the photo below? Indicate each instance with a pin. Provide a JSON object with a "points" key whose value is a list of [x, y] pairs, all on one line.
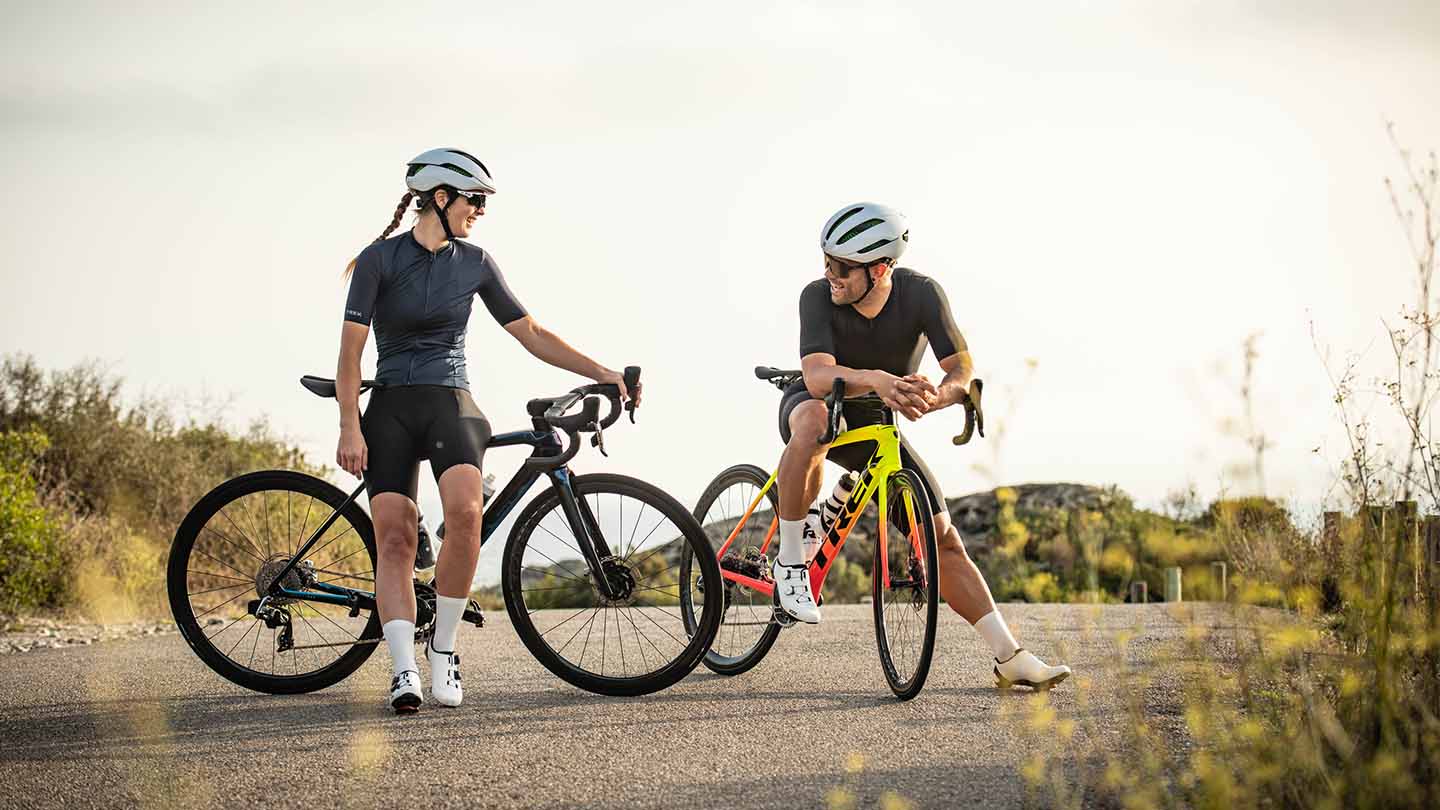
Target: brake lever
{"points": [[597, 439]]}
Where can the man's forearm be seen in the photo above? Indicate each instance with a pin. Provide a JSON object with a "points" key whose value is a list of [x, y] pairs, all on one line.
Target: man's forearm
{"points": [[956, 383], [821, 381]]}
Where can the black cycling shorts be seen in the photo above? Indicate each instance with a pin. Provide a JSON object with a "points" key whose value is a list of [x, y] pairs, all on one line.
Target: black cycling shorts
{"points": [[407, 423], [857, 456]]}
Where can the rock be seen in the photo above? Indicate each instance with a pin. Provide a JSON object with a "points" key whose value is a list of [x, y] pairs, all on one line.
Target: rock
{"points": [[975, 515]]}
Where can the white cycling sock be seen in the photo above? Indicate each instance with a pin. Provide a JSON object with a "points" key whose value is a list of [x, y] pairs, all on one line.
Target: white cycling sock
{"points": [[792, 542], [400, 638], [996, 633], [447, 621]]}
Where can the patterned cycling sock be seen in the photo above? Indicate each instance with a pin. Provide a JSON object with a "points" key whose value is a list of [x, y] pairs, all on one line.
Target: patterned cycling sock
{"points": [[447, 621], [400, 638], [996, 633]]}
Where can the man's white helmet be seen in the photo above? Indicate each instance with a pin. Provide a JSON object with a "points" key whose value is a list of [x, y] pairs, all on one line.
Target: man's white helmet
{"points": [[865, 232], [448, 167]]}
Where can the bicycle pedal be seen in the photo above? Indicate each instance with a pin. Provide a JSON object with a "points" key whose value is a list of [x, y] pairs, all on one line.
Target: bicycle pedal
{"points": [[778, 614], [473, 614]]}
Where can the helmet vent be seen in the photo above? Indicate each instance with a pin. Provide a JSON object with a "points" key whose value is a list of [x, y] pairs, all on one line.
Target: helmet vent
{"points": [[460, 169], [859, 229], [482, 166], [874, 245], [836, 224]]}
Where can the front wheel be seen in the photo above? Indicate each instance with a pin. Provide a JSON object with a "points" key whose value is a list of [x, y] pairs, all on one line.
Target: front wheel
{"points": [[634, 642], [732, 505], [905, 591]]}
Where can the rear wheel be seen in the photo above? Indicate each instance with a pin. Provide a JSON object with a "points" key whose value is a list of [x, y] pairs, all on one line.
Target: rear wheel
{"points": [[636, 642], [906, 605], [228, 550], [747, 628]]}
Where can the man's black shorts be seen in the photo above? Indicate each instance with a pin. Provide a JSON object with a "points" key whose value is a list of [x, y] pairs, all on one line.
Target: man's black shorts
{"points": [[406, 423], [856, 456]]}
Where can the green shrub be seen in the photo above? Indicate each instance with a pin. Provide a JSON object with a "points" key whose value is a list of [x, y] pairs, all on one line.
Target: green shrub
{"points": [[30, 547], [88, 509]]}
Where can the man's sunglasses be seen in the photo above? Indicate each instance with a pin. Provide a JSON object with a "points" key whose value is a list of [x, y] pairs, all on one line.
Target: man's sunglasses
{"points": [[840, 268]]}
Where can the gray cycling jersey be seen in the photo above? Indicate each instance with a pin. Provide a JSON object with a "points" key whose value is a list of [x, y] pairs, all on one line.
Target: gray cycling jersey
{"points": [[420, 304]]}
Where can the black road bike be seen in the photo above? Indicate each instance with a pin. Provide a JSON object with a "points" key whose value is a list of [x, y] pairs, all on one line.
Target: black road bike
{"points": [[271, 575]]}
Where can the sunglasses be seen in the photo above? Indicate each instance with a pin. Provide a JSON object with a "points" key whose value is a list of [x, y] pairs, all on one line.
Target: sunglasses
{"points": [[840, 268], [476, 198]]}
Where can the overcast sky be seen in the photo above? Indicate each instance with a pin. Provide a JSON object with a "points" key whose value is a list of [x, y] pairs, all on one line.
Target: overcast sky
{"points": [[1119, 192]]}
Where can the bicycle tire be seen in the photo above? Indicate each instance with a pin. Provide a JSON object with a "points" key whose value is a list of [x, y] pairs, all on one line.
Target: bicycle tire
{"points": [[749, 657], [178, 572], [921, 600], [669, 672]]}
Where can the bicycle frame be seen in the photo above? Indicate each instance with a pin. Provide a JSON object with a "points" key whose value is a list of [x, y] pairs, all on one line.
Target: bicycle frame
{"points": [[883, 463], [547, 445]]}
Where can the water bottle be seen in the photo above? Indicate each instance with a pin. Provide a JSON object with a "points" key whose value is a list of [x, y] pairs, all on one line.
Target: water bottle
{"points": [[836, 502], [425, 549]]}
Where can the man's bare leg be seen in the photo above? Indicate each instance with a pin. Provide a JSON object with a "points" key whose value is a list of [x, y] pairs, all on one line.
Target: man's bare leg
{"points": [[799, 477], [964, 588]]}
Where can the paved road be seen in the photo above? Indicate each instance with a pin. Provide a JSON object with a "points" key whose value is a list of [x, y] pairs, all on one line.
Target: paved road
{"points": [[143, 722]]}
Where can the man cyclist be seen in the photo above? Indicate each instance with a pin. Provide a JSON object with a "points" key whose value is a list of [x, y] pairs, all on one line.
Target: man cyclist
{"points": [[867, 322]]}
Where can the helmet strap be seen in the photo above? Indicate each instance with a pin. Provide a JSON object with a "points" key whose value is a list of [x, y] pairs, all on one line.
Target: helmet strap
{"points": [[870, 285], [444, 213]]}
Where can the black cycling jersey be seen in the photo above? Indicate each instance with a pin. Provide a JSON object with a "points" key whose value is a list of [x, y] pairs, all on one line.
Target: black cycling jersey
{"points": [[420, 303], [892, 341]]}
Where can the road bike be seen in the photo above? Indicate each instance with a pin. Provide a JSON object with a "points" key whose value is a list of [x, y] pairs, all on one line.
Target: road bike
{"points": [[740, 509], [271, 574]]}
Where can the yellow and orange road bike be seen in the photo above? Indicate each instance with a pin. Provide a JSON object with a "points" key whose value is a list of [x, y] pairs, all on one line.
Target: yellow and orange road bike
{"points": [[740, 511]]}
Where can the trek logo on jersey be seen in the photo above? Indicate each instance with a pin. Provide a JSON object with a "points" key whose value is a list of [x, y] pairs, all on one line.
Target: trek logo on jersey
{"points": [[355, 312]]}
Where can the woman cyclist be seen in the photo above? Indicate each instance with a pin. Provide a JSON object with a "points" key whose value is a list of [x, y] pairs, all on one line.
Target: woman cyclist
{"points": [[417, 289]]}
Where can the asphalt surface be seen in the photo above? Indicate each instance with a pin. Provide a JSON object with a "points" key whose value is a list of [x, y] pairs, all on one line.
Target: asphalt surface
{"points": [[144, 723]]}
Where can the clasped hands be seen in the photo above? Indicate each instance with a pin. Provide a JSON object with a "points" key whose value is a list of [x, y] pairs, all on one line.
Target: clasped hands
{"points": [[913, 395]]}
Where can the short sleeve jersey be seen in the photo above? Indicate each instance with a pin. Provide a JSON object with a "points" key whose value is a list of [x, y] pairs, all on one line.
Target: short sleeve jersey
{"points": [[419, 305], [916, 312]]}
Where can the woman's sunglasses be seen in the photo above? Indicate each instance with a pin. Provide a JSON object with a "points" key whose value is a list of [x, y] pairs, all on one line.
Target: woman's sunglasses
{"points": [[476, 198]]}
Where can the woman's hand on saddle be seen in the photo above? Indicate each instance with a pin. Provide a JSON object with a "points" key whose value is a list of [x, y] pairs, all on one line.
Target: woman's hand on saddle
{"points": [[352, 455], [618, 379]]}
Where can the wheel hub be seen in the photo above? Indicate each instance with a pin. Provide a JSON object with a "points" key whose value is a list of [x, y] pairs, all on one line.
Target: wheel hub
{"points": [[620, 578]]}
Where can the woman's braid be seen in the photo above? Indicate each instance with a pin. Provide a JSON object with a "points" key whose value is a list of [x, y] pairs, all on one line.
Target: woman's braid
{"points": [[394, 223], [399, 214]]}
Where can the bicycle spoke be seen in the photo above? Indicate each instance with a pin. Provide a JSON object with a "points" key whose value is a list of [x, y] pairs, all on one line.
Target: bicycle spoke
{"points": [[249, 547], [217, 607], [222, 562], [221, 588]]}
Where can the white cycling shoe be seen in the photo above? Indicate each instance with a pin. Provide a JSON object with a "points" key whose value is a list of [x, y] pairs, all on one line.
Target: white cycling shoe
{"points": [[405, 695], [445, 685], [792, 589], [1025, 669]]}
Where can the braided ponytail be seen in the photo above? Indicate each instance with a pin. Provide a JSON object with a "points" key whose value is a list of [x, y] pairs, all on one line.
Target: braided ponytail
{"points": [[394, 223]]}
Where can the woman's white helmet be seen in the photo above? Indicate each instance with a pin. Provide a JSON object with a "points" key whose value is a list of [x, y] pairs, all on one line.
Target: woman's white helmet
{"points": [[865, 232], [448, 167]]}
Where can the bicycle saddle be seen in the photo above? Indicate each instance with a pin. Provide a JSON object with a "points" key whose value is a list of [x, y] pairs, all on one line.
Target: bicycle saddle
{"points": [[323, 387]]}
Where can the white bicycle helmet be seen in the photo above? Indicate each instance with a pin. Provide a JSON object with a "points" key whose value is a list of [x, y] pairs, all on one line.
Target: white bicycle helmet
{"points": [[448, 167], [865, 232]]}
